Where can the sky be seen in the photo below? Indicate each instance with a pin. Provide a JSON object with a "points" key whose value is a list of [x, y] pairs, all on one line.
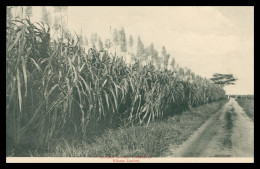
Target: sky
{"points": [[205, 39]]}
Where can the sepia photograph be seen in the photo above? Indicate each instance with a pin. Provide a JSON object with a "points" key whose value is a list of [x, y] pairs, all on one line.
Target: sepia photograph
{"points": [[130, 84]]}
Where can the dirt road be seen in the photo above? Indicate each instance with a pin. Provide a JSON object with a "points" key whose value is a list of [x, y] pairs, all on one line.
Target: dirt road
{"points": [[228, 133]]}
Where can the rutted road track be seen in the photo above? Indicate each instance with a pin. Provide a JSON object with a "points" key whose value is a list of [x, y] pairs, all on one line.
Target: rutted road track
{"points": [[228, 133]]}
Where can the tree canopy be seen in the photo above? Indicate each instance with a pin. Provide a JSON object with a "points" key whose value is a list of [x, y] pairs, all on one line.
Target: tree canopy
{"points": [[223, 79]]}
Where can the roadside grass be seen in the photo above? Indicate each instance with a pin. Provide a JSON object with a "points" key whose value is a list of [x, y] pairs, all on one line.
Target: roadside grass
{"points": [[248, 106], [228, 127], [151, 140]]}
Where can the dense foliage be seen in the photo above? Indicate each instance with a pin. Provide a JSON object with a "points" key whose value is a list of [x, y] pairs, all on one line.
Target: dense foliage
{"points": [[55, 88]]}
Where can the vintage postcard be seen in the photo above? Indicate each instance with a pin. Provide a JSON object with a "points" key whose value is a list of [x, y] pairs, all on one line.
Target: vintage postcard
{"points": [[130, 84]]}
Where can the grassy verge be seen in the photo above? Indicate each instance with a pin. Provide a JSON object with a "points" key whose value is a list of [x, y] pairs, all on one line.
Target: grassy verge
{"points": [[150, 140], [248, 106]]}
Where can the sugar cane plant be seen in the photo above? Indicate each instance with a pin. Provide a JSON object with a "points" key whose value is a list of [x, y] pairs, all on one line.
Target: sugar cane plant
{"points": [[54, 88]]}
